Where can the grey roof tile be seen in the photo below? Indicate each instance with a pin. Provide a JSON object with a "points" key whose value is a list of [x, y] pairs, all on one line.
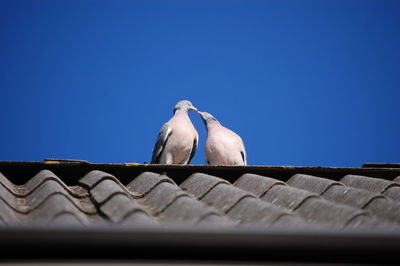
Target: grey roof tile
{"points": [[215, 220], [162, 195], [38, 180], [397, 179], [105, 189], [368, 183], [326, 212], [7, 214], [312, 183], [294, 222], [287, 197], [168, 201], [143, 183], [153, 199], [256, 184], [224, 196], [375, 203], [120, 207], [58, 204], [357, 198], [368, 223], [236, 203], [199, 184], [188, 210], [384, 208], [65, 219], [92, 178], [393, 192], [44, 198], [252, 210], [136, 218]]}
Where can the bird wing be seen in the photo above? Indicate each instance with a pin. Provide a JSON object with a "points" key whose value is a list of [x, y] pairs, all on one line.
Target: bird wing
{"points": [[194, 147], [162, 139], [244, 155]]}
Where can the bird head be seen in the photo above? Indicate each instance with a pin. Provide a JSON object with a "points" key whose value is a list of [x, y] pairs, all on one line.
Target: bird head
{"points": [[184, 105], [207, 117]]}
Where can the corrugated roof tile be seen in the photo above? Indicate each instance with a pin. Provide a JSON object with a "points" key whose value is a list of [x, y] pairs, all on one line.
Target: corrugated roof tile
{"points": [[354, 197], [189, 210], [162, 195], [255, 211], [368, 183], [312, 183], [121, 206], [169, 202], [287, 197], [224, 196], [256, 184], [146, 181], [105, 189], [393, 192], [323, 211], [200, 184], [384, 208], [153, 199]]}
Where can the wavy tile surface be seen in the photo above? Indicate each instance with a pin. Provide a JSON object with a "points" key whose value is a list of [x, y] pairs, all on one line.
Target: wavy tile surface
{"points": [[156, 200]]}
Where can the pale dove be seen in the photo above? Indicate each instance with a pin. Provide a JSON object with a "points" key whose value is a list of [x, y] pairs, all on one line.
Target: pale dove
{"points": [[178, 139], [223, 146]]}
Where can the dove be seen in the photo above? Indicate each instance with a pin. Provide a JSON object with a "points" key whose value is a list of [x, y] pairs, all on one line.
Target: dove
{"points": [[177, 140], [223, 146]]}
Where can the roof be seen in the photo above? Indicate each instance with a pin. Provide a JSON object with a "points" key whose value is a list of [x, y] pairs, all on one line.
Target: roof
{"points": [[246, 203]]}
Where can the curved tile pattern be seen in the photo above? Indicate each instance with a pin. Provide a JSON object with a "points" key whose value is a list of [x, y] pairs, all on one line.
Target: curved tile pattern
{"points": [[115, 201], [312, 183], [152, 199], [256, 184], [200, 184], [236, 203], [172, 204], [146, 181], [376, 185], [44, 199], [38, 180]]}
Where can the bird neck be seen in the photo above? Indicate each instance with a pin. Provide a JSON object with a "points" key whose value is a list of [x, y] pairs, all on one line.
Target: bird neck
{"points": [[181, 113], [213, 124]]}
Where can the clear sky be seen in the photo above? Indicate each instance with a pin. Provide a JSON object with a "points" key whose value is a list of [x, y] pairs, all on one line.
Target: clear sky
{"points": [[305, 83]]}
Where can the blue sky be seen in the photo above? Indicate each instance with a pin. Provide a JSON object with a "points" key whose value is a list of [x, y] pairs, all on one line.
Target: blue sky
{"points": [[305, 83]]}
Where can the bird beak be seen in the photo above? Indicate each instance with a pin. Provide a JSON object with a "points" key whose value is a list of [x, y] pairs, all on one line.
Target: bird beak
{"points": [[193, 108]]}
